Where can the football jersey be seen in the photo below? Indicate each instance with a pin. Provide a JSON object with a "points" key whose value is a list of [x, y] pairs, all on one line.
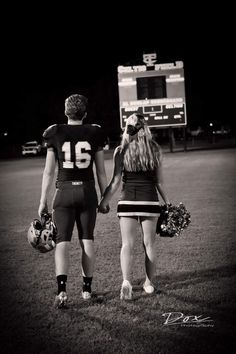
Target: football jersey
{"points": [[75, 147]]}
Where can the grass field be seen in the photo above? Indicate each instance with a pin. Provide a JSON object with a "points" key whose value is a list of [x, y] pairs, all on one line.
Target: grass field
{"points": [[195, 272]]}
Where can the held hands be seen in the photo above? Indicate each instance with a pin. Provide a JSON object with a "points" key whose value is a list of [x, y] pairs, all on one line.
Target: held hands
{"points": [[103, 208]]}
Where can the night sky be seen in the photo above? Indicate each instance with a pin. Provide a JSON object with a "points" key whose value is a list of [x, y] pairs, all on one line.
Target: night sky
{"points": [[49, 56]]}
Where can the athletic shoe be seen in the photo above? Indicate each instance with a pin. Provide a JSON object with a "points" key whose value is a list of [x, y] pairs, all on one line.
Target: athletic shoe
{"points": [[61, 300], [86, 295], [126, 291], [149, 289]]}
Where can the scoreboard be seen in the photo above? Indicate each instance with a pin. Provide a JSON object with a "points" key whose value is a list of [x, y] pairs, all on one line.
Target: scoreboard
{"points": [[155, 90]]}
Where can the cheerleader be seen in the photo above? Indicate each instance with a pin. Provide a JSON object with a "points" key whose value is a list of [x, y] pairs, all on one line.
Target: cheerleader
{"points": [[137, 163]]}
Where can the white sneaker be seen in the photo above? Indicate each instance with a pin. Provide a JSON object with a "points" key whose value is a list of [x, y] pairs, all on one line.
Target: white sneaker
{"points": [[86, 295], [61, 300], [126, 291], [149, 289]]}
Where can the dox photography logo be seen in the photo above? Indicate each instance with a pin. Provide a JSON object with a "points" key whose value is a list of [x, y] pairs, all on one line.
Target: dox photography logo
{"points": [[178, 318]]}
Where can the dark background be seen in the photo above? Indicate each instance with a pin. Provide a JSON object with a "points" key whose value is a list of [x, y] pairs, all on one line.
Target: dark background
{"points": [[50, 53]]}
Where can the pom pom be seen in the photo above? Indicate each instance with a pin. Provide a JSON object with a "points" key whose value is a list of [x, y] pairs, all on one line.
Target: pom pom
{"points": [[173, 220]]}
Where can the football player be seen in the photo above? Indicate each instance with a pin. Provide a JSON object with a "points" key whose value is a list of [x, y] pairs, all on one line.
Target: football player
{"points": [[74, 147]]}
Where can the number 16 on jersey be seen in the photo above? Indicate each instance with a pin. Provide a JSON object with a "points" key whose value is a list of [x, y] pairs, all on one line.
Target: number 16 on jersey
{"points": [[82, 159]]}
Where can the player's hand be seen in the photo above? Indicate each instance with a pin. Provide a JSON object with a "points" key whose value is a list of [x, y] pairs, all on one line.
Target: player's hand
{"points": [[43, 208]]}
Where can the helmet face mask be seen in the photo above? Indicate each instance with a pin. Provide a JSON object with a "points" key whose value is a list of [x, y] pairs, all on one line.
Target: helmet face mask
{"points": [[41, 234]]}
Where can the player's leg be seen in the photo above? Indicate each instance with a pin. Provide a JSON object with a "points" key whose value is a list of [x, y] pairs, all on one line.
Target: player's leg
{"points": [[62, 258], [87, 265], [88, 257], [148, 225], [64, 219], [85, 220], [61, 268], [128, 227], [86, 223]]}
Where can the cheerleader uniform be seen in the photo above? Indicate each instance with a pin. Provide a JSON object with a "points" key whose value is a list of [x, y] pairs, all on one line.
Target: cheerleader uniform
{"points": [[139, 196]]}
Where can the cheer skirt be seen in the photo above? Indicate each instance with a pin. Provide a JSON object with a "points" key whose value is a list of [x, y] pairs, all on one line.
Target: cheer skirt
{"points": [[138, 200]]}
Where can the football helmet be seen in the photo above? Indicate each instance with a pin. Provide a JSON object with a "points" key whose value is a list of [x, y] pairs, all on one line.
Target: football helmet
{"points": [[41, 234]]}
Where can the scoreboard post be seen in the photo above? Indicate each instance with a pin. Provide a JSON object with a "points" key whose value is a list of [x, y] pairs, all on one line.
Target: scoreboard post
{"points": [[155, 90]]}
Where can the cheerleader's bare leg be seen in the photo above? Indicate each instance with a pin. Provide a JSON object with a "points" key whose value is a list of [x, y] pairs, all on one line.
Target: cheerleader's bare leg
{"points": [[128, 227], [148, 225]]}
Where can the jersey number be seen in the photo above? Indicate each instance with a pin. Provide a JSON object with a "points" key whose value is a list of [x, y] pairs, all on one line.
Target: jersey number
{"points": [[82, 159]]}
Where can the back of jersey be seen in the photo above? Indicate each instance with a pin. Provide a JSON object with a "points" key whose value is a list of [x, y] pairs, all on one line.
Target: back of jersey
{"points": [[75, 147]]}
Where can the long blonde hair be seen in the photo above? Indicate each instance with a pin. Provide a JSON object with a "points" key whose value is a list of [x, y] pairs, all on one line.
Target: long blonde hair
{"points": [[140, 151]]}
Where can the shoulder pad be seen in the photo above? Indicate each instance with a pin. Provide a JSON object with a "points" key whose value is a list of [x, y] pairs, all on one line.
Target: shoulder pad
{"points": [[96, 125], [50, 131]]}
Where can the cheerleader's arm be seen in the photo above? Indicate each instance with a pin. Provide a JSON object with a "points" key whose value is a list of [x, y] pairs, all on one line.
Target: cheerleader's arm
{"points": [[115, 180], [160, 185]]}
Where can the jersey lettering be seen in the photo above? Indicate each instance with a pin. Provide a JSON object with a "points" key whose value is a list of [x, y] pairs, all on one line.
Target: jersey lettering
{"points": [[82, 159]]}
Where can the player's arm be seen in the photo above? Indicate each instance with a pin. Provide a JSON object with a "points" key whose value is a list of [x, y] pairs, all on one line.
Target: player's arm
{"points": [[48, 176], [115, 180], [100, 170], [160, 184]]}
